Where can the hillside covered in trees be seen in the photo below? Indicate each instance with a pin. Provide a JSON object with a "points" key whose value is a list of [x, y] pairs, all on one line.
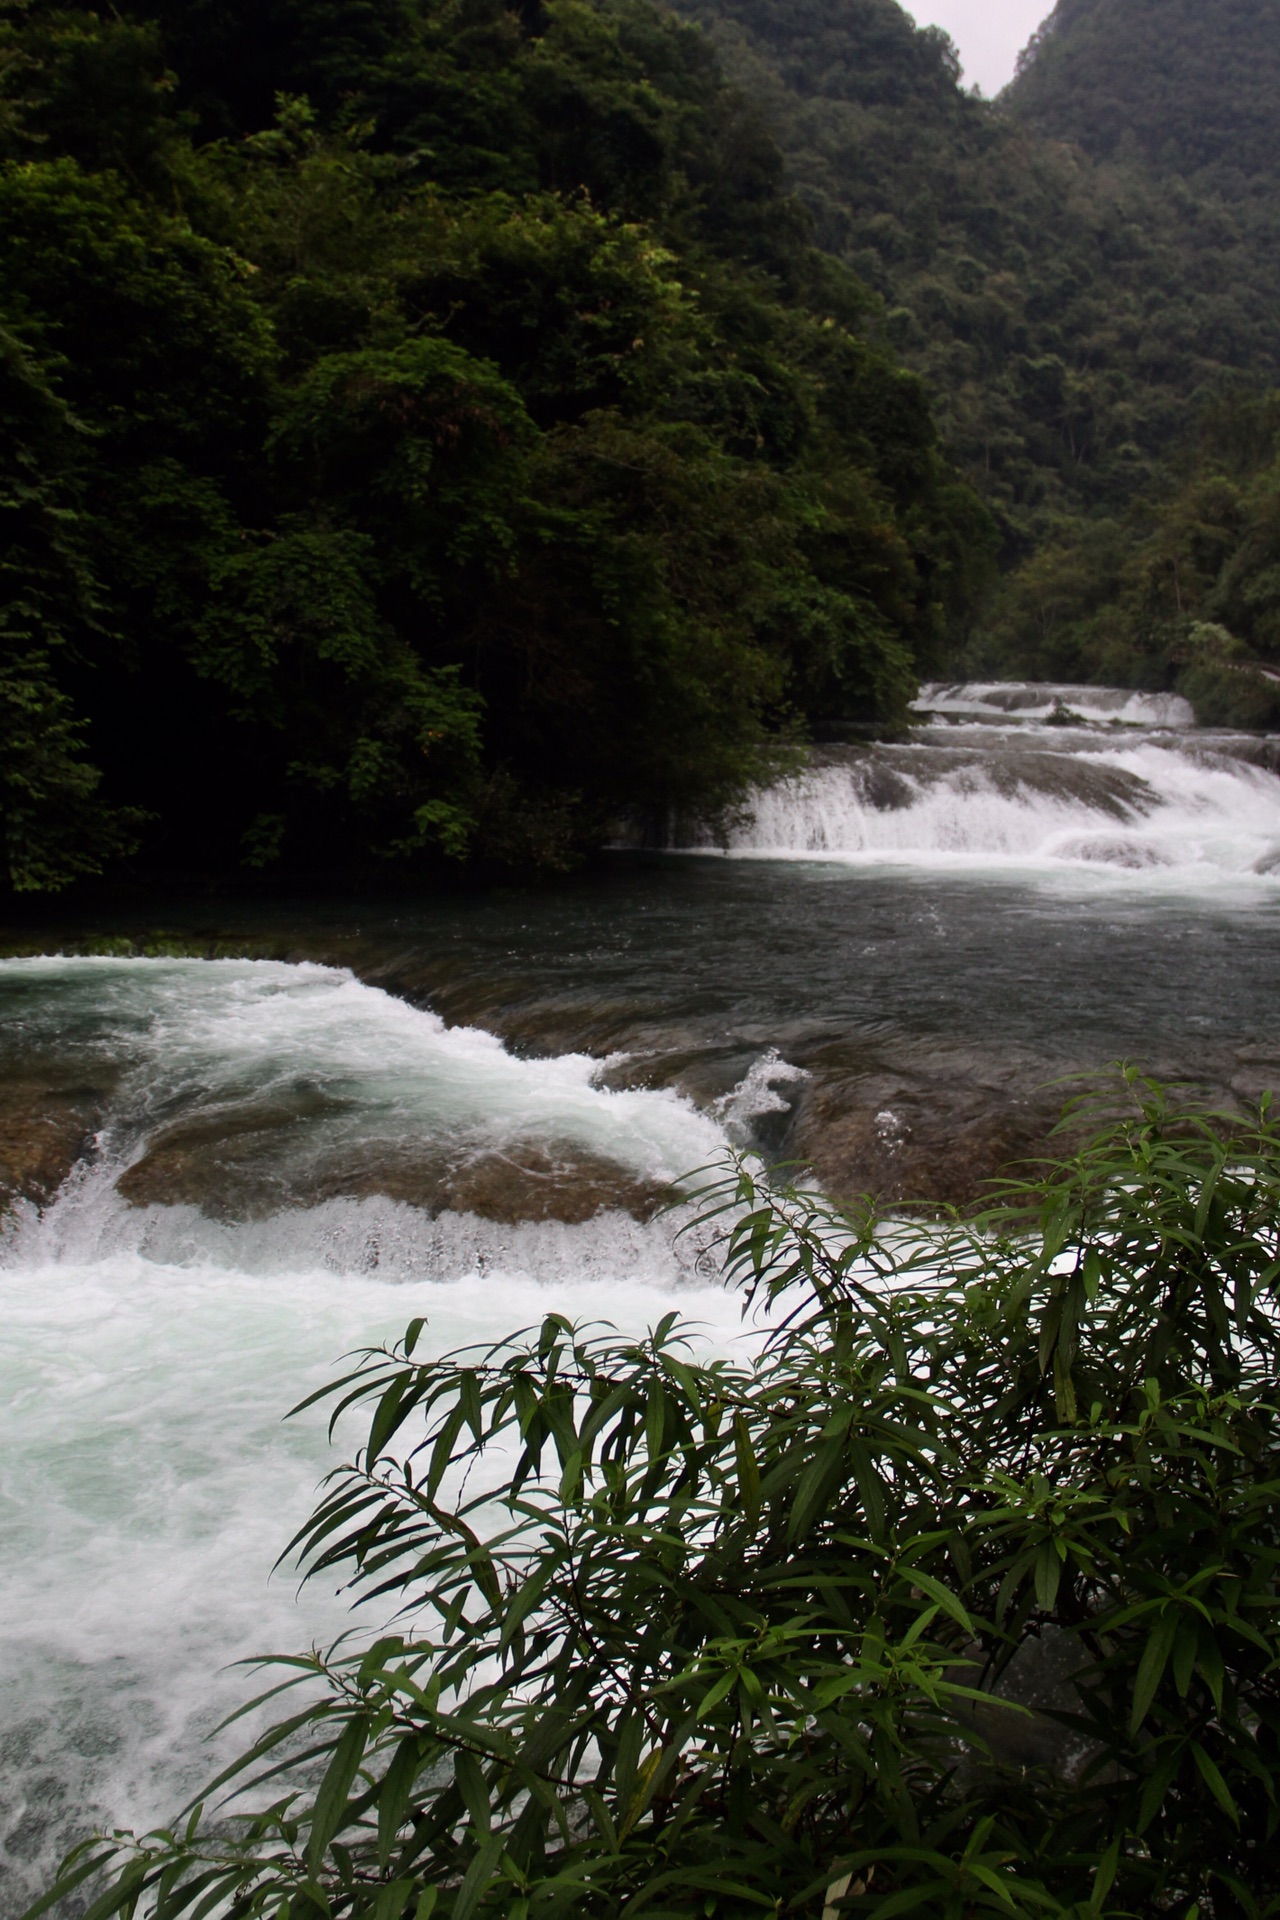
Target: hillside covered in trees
{"points": [[429, 432], [1086, 273], [1188, 90], [434, 430]]}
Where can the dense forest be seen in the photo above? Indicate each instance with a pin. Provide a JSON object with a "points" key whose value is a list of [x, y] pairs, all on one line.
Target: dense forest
{"points": [[1189, 90], [434, 431], [430, 433], [1086, 273]]}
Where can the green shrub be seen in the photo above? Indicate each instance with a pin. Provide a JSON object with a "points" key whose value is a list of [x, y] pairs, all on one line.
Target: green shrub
{"points": [[1230, 696], [954, 1593]]}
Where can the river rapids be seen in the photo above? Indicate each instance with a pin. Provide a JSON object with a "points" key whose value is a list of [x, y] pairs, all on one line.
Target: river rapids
{"points": [[251, 1139]]}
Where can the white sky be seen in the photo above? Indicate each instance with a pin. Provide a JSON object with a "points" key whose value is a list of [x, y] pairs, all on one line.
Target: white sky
{"points": [[989, 33]]}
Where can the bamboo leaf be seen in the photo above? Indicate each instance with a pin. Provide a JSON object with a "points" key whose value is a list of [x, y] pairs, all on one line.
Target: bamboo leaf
{"points": [[1048, 1574], [393, 1796], [1151, 1666], [1104, 1878], [748, 1471], [478, 1878], [474, 1789], [1213, 1779], [331, 1801], [933, 1587], [389, 1415], [643, 1792], [522, 1603]]}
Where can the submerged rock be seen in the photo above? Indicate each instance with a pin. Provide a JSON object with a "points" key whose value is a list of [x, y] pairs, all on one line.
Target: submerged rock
{"points": [[248, 1171], [529, 1184], [905, 1142]]}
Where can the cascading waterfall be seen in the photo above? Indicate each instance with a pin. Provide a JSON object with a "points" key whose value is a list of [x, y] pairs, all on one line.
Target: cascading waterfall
{"points": [[1134, 792], [283, 1163], [1035, 700], [148, 1352]]}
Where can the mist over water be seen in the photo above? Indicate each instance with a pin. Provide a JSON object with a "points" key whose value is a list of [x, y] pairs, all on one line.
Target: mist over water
{"points": [[911, 940]]}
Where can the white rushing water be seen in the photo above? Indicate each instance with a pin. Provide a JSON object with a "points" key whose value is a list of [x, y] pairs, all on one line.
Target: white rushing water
{"points": [[1034, 700], [289, 1132], [147, 1354], [1151, 800], [275, 1043]]}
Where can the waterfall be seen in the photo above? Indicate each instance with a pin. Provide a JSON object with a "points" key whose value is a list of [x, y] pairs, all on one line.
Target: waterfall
{"points": [[148, 1350], [1157, 799], [279, 1163], [1030, 700]]}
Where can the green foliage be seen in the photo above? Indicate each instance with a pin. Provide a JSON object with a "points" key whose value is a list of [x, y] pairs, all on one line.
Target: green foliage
{"points": [[96, 91], [53, 829], [208, 211], [692, 1636], [1192, 90], [471, 436], [1184, 589], [1072, 269], [1062, 314], [51, 824]]}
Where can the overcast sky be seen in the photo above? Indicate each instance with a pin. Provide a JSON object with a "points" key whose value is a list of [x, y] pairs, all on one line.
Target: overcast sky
{"points": [[989, 33]]}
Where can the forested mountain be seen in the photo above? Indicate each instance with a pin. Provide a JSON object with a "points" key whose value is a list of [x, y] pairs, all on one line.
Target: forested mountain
{"points": [[433, 429], [1187, 88], [428, 431], [1081, 314], [1184, 99], [1063, 314]]}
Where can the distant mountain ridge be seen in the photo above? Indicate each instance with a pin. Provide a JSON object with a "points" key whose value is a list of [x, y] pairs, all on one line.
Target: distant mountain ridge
{"points": [[1183, 87], [1086, 272], [1065, 314]]}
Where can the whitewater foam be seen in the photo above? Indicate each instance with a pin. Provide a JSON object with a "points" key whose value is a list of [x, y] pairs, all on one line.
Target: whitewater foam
{"points": [[1031, 701], [147, 1353], [757, 1096], [344, 1061], [1169, 808], [148, 1485]]}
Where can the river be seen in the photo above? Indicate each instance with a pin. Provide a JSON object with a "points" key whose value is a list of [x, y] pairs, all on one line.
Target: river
{"points": [[280, 1131]]}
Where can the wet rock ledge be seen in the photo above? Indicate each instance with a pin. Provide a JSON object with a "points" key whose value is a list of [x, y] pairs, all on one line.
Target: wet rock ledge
{"points": [[234, 1174], [44, 1131]]}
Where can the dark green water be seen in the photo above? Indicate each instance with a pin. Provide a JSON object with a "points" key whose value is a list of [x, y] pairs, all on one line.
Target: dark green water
{"points": [[956, 996]]}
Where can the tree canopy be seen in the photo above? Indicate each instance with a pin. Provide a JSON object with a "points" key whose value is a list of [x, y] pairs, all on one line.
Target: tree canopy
{"points": [[438, 430], [434, 436], [1082, 271], [1191, 90]]}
